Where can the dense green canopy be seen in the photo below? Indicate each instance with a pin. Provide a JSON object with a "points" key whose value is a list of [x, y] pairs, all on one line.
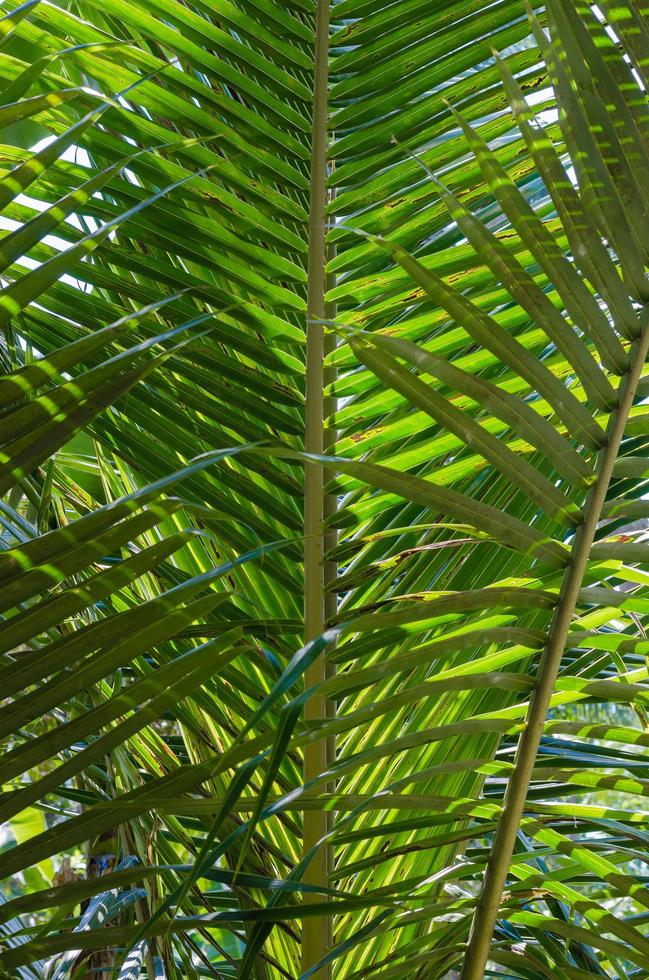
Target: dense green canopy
{"points": [[324, 489]]}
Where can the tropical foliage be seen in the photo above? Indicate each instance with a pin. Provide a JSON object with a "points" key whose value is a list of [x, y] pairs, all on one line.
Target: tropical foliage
{"points": [[323, 474]]}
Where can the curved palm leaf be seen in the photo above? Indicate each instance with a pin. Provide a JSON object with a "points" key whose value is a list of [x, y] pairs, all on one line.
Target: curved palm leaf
{"points": [[426, 785]]}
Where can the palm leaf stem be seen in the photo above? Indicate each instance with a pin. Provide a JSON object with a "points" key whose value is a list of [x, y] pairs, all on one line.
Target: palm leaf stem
{"points": [[316, 938], [486, 914]]}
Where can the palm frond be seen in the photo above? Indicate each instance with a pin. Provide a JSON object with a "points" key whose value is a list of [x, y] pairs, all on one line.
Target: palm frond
{"points": [[323, 488]]}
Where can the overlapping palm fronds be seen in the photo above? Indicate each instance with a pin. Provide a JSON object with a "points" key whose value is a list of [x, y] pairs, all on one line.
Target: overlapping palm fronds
{"points": [[466, 757]]}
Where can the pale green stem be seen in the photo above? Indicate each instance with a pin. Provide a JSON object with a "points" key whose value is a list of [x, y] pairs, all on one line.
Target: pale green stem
{"points": [[514, 805], [316, 932]]}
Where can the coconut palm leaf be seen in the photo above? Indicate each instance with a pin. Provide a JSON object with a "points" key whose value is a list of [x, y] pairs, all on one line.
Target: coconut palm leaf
{"points": [[542, 305], [323, 473]]}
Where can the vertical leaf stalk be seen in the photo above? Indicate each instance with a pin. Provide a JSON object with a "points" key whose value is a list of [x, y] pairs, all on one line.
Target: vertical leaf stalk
{"points": [[316, 931], [484, 921]]}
